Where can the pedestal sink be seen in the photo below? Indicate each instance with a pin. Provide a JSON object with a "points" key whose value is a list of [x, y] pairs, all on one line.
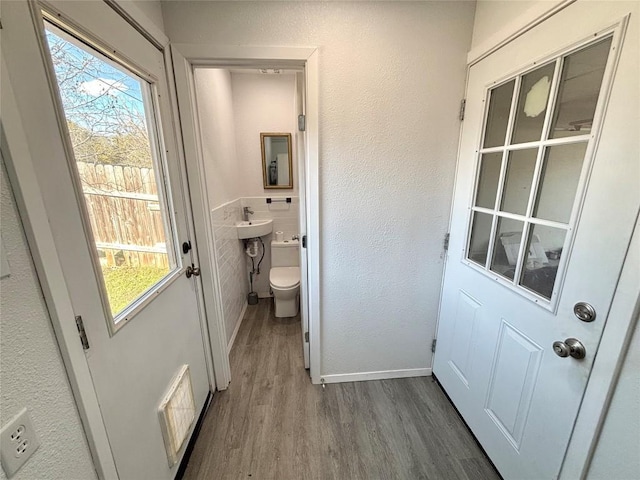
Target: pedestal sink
{"points": [[254, 228]]}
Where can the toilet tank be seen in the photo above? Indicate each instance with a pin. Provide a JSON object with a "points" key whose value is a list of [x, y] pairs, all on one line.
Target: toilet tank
{"points": [[285, 253]]}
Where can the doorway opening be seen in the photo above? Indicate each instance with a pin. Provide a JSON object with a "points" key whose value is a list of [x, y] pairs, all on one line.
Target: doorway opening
{"points": [[252, 155], [291, 207]]}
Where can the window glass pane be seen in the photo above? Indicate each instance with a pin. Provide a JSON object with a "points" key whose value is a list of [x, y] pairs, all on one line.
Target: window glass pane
{"points": [[488, 180], [498, 115], [519, 176], [559, 181], [480, 233], [582, 75], [532, 104], [506, 247], [107, 114], [544, 249]]}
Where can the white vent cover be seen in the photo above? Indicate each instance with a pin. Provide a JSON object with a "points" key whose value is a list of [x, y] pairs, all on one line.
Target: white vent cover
{"points": [[177, 412]]}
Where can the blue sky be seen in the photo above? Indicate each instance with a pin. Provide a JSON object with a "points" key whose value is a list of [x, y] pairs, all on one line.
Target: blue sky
{"points": [[95, 94]]}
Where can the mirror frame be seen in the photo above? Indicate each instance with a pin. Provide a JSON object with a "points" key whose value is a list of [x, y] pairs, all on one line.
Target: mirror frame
{"points": [[264, 164]]}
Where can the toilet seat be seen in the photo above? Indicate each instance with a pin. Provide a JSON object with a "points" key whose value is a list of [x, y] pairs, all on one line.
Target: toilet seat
{"points": [[284, 278]]}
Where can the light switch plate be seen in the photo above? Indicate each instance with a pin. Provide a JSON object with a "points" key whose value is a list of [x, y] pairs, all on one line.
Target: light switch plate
{"points": [[18, 441]]}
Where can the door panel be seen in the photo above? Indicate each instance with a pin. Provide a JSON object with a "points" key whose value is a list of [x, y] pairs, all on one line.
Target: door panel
{"points": [[467, 314], [512, 382], [537, 227], [132, 367]]}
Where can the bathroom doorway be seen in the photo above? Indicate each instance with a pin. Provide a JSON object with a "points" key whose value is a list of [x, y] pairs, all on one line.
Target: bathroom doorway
{"points": [[227, 108]]}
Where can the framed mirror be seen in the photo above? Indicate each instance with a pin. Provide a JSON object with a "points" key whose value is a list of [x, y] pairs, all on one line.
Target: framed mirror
{"points": [[277, 171]]}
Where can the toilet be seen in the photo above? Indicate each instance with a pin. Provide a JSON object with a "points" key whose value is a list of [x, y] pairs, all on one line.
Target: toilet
{"points": [[284, 277]]}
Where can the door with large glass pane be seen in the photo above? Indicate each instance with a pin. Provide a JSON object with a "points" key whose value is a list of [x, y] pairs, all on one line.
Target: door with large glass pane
{"points": [[544, 206], [115, 200]]}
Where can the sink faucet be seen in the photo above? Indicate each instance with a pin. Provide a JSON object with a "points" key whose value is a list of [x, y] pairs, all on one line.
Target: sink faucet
{"points": [[246, 211]]}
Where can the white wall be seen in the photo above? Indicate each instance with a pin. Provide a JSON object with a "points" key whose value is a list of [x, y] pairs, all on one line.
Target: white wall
{"points": [[262, 103], [214, 98], [391, 79], [32, 374]]}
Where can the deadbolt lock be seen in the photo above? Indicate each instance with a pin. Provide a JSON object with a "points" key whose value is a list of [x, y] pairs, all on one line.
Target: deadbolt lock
{"points": [[584, 312], [570, 347]]}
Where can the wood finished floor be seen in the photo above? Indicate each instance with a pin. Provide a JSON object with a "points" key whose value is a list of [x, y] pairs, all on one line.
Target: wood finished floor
{"points": [[272, 423]]}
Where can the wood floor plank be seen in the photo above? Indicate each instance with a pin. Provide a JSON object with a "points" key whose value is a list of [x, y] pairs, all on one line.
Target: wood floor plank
{"points": [[272, 423]]}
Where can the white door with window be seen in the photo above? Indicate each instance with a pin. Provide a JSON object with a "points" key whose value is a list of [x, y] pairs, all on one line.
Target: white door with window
{"points": [[119, 214], [545, 202]]}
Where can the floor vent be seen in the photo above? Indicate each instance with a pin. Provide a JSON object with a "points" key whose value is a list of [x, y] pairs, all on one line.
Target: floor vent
{"points": [[177, 413]]}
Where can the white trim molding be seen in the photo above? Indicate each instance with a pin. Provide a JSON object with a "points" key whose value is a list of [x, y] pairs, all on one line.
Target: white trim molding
{"points": [[187, 130], [537, 14], [381, 375], [139, 20], [237, 329]]}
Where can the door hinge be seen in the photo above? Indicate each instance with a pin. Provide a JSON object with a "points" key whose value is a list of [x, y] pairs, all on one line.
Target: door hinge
{"points": [[306, 337], [433, 345], [83, 334], [445, 243], [302, 123], [304, 241], [463, 105]]}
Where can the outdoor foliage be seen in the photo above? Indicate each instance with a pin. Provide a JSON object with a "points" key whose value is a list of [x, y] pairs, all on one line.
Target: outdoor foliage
{"points": [[126, 283]]}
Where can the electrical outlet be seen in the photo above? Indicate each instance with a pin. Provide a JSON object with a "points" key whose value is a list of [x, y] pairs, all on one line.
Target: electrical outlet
{"points": [[18, 441]]}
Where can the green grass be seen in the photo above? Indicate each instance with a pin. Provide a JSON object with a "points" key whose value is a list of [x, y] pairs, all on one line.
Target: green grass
{"points": [[125, 284]]}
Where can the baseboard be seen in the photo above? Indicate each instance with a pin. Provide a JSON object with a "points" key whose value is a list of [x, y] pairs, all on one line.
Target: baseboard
{"points": [[235, 330], [382, 375]]}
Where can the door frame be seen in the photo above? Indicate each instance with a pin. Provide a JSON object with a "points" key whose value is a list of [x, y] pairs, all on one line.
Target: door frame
{"points": [[625, 307], [30, 202], [184, 58]]}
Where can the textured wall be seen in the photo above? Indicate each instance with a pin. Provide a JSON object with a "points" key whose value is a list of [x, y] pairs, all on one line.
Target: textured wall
{"points": [[262, 103], [32, 374], [391, 79]]}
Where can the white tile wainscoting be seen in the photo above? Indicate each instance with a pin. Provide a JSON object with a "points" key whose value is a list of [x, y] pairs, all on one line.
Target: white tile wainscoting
{"points": [[232, 272], [232, 263]]}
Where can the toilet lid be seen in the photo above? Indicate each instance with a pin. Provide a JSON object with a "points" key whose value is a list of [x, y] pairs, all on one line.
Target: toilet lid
{"points": [[284, 277]]}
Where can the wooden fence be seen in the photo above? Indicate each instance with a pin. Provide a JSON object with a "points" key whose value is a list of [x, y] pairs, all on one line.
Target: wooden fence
{"points": [[125, 214]]}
